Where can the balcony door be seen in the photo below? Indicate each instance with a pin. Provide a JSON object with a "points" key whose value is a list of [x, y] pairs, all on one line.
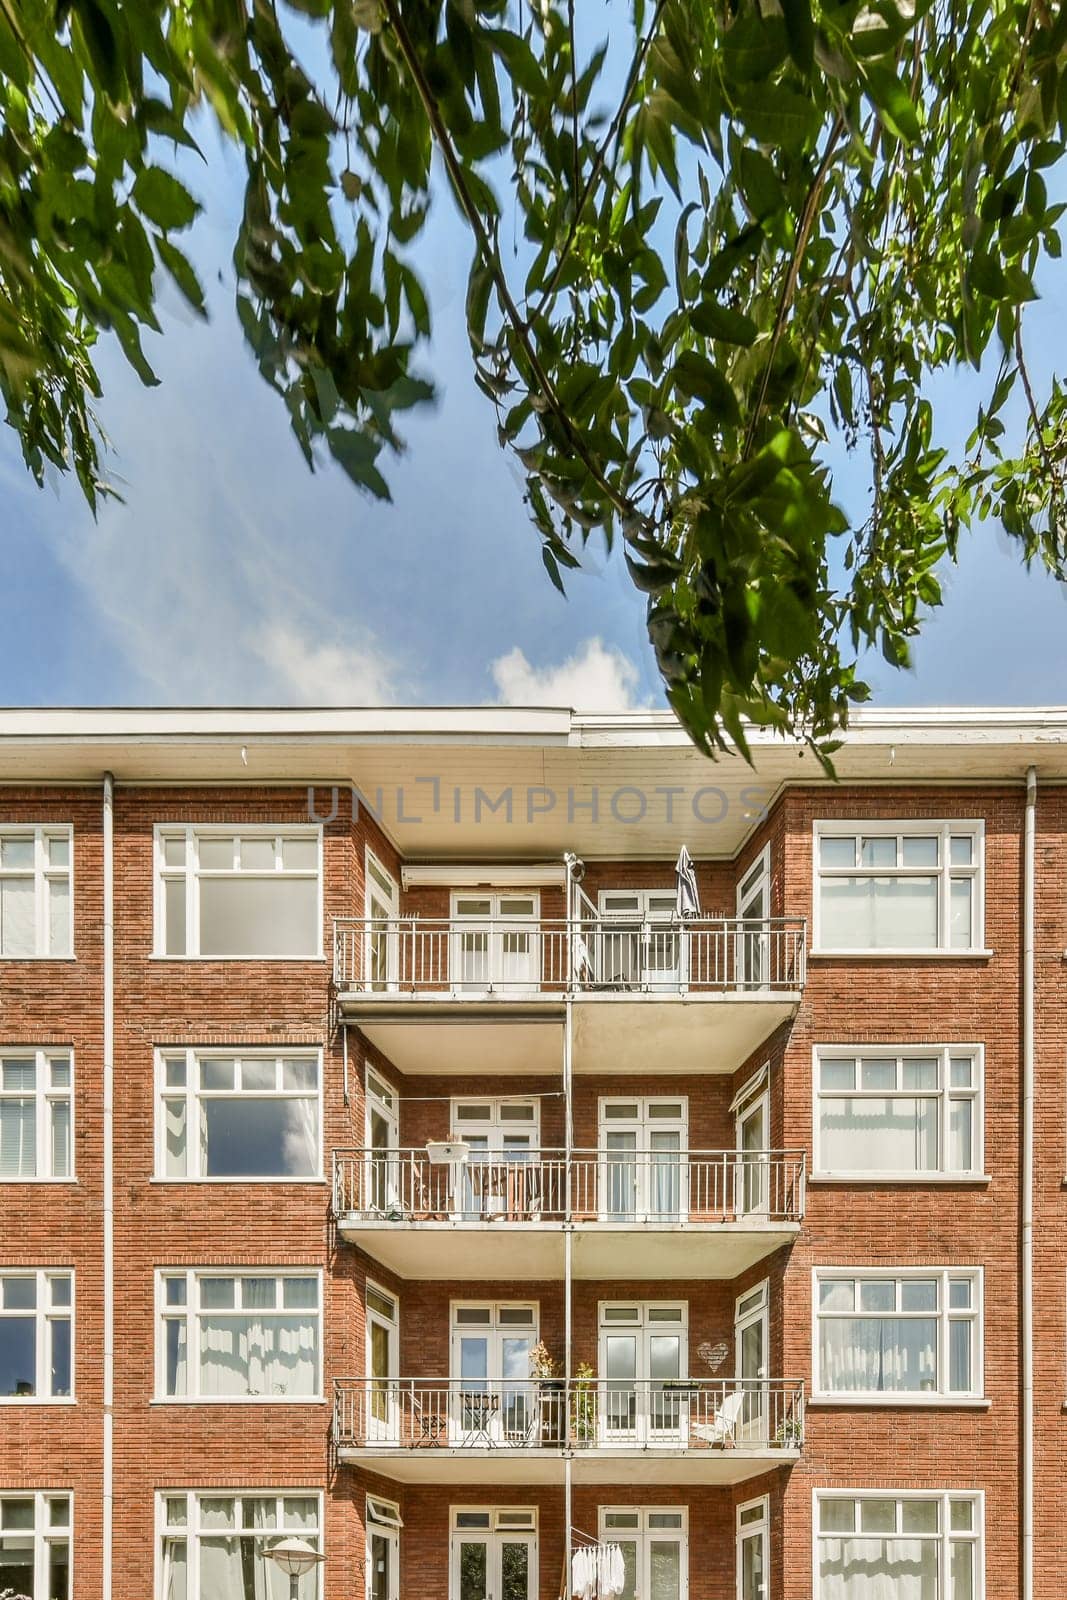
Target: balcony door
{"points": [[640, 945], [494, 1555], [644, 1351], [383, 1366], [655, 1550], [751, 1344], [382, 913], [495, 944], [493, 1401], [752, 1115], [753, 1549], [643, 1177], [753, 912], [383, 1138], [383, 1549], [501, 1177]]}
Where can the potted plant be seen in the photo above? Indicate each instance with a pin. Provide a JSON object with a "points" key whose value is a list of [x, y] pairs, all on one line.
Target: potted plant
{"points": [[790, 1435], [440, 1152], [550, 1391], [583, 1405]]}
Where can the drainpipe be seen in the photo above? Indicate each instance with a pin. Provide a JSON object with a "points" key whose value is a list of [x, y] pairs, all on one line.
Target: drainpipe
{"points": [[108, 1496], [1027, 1193]]}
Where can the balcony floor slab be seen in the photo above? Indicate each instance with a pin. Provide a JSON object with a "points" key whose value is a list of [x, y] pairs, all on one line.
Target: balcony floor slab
{"points": [[661, 1465]]}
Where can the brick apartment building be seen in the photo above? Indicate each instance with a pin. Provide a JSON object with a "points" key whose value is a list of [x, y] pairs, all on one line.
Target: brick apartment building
{"points": [[406, 1175]]}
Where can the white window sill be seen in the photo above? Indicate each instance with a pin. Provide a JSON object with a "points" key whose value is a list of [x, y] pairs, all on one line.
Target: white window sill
{"points": [[203, 1183], [35, 958], [974, 1180], [38, 1400], [204, 960], [900, 955], [52, 1183], [900, 1402], [239, 1400]]}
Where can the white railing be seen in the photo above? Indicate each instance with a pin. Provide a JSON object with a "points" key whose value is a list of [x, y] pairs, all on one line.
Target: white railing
{"points": [[576, 1413], [480, 957], [652, 1188]]}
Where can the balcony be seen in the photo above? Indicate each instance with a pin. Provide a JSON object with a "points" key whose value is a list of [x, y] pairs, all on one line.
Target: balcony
{"points": [[705, 992], [425, 1430], [651, 1214]]}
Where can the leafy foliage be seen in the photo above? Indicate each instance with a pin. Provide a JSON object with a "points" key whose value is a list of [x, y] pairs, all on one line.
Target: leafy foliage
{"points": [[791, 216]]}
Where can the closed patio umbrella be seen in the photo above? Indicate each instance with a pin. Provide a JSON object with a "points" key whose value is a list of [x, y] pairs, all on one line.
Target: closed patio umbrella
{"points": [[687, 903]]}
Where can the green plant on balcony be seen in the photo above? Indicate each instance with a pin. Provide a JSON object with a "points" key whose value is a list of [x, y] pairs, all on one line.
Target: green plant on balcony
{"points": [[583, 1405], [790, 1435]]}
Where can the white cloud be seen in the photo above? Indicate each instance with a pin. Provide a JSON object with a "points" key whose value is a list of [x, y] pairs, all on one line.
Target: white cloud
{"points": [[597, 677], [326, 674]]}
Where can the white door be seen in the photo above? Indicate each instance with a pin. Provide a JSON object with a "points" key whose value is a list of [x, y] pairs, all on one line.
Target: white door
{"points": [[383, 1366], [655, 1550], [493, 1400], [383, 1549], [383, 1186], [382, 914], [644, 1352], [640, 944], [491, 1562], [751, 1342], [753, 1172], [753, 912], [501, 1177], [495, 943], [753, 1550], [643, 1170]]}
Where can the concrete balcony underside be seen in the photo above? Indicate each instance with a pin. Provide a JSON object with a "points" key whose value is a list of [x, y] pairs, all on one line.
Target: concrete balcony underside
{"points": [[617, 1033], [654, 1465], [531, 1252]]}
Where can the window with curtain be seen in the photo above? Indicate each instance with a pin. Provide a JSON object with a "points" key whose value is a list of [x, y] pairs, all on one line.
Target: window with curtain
{"points": [[36, 1092], [898, 886], [881, 1333], [35, 891], [245, 891], [240, 1336], [216, 1546], [909, 1547], [898, 1113], [35, 1544], [36, 1346], [256, 1115]]}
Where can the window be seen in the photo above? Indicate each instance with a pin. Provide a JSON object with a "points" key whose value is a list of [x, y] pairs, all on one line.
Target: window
{"points": [[493, 1553], [644, 1350], [642, 1170], [913, 1334], [35, 891], [240, 1336], [495, 941], [36, 1091], [491, 1348], [36, 1317], [754, 1549], [636, 946], [383, 1526], [35, 1544], [898, 1113], [898, 886], [383, 1343], [256, 1115], [214, 1545], [382, 908], [883, 1546], [238, 892], [655, 1549]]}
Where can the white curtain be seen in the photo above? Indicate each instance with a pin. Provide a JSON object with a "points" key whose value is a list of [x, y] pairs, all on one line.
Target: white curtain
{"points": [[878, 1569], [18, 1139], [17, 917], [175, 1569], [879, 913], [302, 1138], [259, 1355], [876, 1354], [220, 1568], [897, 1134]]}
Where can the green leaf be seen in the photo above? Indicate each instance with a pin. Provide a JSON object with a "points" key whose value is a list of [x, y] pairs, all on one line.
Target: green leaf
{"points": [[775, 115], [893, 103], [753, 47], [164, 200], [181, 270], [356, 453], [723, 322], [696, 377], [800, 31]]}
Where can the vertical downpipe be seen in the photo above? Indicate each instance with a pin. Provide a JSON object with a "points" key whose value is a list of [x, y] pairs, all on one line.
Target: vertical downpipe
{"points": [[1027, 1192], [568, 1224], [108, 1497]]}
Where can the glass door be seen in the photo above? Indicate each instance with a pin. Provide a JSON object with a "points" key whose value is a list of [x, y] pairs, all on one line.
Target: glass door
{"points": [[495, 944], [383, 940], [753, 911], [640, 944], [753, 1549], [383, 1323], [655, 1550], [383, 1549], [643, 1175], [751, 1340], [643, 1355], [494, 1399], [753, 1173], [383, 1137], [500, 1177], [494, 1555]]}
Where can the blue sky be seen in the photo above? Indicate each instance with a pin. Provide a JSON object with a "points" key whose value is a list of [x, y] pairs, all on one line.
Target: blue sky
{"points": [[233, 575]]}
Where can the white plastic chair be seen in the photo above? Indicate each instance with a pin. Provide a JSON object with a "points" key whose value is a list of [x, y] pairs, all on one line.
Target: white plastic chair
{"points": [[722, 1428]]}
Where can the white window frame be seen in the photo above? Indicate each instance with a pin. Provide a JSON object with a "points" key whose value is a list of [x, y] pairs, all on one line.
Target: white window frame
{"points": [[191, 1312], [503, 1524], [374, 889], [382, 1520], [45, 1533], [886, 827], [908, 1398], [44, 1097], [384, 1430], [644, 1536], [944, 1536], [192, 1097], [758, 1528], [945, 1094], [192, 1529], [43, 873], [190, 872], [44, 1314]]}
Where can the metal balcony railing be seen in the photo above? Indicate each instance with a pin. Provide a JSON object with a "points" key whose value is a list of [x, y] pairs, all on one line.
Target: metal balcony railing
{"points": [[481, 957], [644, 1188], [576, 1414]]}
